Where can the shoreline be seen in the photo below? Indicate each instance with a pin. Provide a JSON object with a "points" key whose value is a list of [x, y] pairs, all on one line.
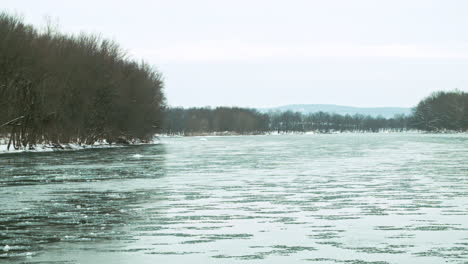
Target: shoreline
{"points": [[159, 138], [39, 148], [275, 133]]}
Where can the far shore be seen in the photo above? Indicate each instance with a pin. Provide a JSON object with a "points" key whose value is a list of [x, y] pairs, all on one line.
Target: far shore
{"points": [[158, 139], [275, 133]]}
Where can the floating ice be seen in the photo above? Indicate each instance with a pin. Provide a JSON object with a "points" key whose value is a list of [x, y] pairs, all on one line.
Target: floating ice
{"points": [[6, 248], [324, 198], [137, 156]]}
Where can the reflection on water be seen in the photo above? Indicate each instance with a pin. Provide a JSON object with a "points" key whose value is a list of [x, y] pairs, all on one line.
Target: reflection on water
{"points": [[383, 198]]}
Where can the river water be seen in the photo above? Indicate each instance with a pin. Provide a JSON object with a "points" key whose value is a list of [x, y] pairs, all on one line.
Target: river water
{"points": [[341, 198]]}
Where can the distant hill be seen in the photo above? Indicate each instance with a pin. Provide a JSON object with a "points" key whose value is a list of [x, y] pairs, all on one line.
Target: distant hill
{"points": [[386, 112]]}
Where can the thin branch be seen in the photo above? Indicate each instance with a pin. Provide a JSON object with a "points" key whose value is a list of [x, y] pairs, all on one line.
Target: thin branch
{"points": [[12, 121]]}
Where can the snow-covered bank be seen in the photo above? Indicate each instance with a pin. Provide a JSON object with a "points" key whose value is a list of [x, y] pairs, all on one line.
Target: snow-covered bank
{"points": [[280, 133], [69, 146]]}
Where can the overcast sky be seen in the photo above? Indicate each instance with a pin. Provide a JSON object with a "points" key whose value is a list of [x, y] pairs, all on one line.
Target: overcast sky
{"points": [[260, 53]]}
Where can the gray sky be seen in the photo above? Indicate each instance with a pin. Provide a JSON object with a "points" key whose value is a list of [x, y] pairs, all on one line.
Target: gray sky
{"points": [[261, 53]]}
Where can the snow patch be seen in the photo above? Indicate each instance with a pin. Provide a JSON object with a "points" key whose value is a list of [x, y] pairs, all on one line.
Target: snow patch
{"points": [[67, 147]]}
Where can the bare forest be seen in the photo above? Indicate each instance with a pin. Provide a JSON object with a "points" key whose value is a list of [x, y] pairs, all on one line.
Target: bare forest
{"points": [[57, 88]]}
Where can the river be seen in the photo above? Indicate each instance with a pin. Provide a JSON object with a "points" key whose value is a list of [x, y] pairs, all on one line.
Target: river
{"points": [[338, 198]]}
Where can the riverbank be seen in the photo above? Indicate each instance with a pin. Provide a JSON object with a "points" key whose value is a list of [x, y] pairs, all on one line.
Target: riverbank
{"points": [[313, 132], [158, 138], [276, 133], [69, 146]]}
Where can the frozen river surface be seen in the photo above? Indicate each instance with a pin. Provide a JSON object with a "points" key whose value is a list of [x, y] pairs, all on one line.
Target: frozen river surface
{"points": [[349, 198]]}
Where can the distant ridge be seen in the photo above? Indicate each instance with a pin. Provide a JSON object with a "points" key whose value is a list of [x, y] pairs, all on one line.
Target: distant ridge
{"points": [[386, 112]]}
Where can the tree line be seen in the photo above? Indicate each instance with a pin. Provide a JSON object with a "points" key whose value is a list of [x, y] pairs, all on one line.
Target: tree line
{"points": [[193, 121], [57, 88], [250, 121], [441, 111], [330, 122]]}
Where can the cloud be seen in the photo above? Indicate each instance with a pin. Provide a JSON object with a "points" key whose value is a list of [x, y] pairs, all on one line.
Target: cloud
{"points": [[236, 51]]}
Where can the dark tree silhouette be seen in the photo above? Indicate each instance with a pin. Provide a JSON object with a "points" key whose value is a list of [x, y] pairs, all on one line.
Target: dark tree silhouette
{"points": [[57, 88], [442, 111], [221, 119], [248, 121]]}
